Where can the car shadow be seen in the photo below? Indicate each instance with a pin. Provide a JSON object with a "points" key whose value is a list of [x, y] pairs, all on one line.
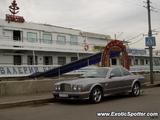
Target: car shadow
{"points": [[87, 102]]}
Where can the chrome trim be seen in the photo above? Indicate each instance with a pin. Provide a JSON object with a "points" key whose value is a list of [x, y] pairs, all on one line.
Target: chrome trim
{"points": [[75, 93], [118, 88]]}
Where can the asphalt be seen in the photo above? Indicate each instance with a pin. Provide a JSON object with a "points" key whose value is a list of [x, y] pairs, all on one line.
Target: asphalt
{"points": [[24, 100]]}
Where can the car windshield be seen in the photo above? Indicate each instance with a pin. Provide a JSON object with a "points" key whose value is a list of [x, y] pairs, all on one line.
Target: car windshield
{"points": [[95, 73]]}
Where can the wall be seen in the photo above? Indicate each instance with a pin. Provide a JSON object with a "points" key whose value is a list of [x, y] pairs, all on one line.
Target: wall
{"points": [[156, 77], [1, 32], [6, 59], [9, 88]]}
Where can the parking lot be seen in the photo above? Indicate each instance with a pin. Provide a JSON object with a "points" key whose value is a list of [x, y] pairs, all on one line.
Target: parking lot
{"points": [[148, 102]]}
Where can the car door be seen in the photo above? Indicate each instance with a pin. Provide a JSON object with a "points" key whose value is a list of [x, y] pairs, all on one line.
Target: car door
{"points": [[114, 82], [128, 79]]}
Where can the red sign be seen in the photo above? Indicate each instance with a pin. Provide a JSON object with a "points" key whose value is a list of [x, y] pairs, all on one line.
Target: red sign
{"points": [[13, 8], [13, 18]]}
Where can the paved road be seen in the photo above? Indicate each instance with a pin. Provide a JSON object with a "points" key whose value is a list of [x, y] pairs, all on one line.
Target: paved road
{"points": [[81, 110]]}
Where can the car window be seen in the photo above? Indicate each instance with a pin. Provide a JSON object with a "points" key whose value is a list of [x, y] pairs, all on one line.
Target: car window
{"points": [[116, 72], [95, 73], [125, 72]]}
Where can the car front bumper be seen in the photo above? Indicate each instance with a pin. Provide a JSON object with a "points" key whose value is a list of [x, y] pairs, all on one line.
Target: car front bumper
{"points": [[71, 95]]}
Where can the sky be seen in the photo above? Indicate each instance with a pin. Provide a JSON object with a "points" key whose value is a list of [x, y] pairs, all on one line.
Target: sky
{"points": [[125, 18]]}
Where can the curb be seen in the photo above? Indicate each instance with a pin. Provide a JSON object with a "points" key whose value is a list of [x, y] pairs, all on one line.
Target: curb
{"points": [[25, 103], [151, 85]]}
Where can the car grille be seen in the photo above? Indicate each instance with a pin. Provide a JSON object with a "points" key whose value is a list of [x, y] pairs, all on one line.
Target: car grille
{"points": [[66, 87]]}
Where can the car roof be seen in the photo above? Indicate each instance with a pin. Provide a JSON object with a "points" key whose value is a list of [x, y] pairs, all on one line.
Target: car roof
{"points": [[99, 67]]}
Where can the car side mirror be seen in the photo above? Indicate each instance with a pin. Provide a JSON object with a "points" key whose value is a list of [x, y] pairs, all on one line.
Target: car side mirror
{"points": [[112, 75]]}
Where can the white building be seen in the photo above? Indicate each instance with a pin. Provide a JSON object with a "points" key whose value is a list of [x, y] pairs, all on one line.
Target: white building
{"points": [[51, 45], [29, 47], [26, 44]]}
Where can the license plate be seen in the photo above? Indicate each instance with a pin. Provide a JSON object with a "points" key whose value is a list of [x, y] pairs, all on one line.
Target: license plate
{"points": [[63, 95]]}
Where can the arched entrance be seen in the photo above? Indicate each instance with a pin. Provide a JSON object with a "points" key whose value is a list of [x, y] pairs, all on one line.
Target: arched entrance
{"points": [[115, 46]]}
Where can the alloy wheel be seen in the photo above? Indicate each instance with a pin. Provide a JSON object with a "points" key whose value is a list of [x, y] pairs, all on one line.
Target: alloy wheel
{"points": [[136, 90], [96, 95]]}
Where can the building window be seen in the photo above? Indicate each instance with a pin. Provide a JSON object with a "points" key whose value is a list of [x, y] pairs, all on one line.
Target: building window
{"points": [[17, 35], [136, 62], [114, 61], [61, 39], [146, 62], [47, 60], [47, 38], [74, 40], [17, 60], [99, 48], [156, 61], [32, 37], [30, 60], [74, 59], [141, 61], [61, 60]]}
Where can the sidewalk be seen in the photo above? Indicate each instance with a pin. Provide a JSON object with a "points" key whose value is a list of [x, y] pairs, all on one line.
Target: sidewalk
{"points": [[14, 101], [148, 85]]}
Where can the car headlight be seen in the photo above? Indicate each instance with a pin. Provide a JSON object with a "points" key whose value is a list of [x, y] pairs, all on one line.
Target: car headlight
{"points": [[77, 87], [57, 87]]}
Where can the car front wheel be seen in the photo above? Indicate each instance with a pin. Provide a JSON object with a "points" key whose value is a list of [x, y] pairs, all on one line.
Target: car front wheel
{"points": [[136, 90], [96, 95]]}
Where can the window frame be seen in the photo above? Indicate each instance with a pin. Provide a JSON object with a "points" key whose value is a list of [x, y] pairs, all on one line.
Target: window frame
{"points": [[59, 41], [32, 63], [61, 57], [72, 42], [115, 74], [123, 70], [74, 59], [44, 58], [44, 40], [15, 59], [31, 39]]}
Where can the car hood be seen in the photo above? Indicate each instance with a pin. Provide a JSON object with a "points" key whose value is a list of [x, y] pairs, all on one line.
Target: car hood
{"points": [[82, 81]]}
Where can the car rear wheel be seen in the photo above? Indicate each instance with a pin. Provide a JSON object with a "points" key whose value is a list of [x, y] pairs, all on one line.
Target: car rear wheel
{"points": [[96, 95], [135, 90]]}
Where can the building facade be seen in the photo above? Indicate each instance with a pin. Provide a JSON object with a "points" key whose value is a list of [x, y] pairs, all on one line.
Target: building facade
{"points": [[32, 44], [41, 44]]}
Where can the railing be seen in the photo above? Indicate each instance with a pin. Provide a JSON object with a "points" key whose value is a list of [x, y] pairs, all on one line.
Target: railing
{"points": [[141, 68], [8, 43]]}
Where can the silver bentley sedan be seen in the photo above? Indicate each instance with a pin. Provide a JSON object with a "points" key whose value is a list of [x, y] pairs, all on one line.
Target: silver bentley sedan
{"points": [[99, 82]]}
